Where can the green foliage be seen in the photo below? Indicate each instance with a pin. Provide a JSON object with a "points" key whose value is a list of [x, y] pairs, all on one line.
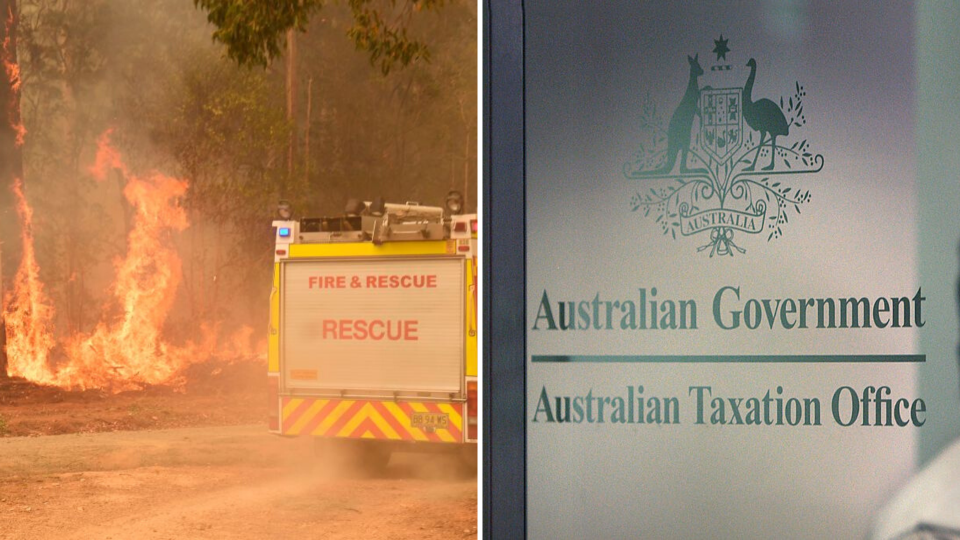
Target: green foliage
{"points": [[388, 44], [254, 30], [225, 129]]}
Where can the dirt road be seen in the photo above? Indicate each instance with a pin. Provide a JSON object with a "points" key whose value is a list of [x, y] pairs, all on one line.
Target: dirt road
{"points": [[233, 482]]}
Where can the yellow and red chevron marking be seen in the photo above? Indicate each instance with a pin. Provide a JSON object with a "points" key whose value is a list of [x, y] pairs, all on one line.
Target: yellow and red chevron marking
{"points": [[367, 419]]}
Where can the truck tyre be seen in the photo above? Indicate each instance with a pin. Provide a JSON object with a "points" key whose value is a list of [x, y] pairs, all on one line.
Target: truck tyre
{"points": [[376, 456], [352, 456]]}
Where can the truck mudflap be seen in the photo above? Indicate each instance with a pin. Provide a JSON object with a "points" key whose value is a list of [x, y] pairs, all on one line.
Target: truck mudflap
{"points": [[440, 422]]}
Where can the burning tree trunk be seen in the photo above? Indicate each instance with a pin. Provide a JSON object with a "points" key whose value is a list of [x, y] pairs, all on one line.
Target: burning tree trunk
{"points": [[11, 160], [3, 326]]}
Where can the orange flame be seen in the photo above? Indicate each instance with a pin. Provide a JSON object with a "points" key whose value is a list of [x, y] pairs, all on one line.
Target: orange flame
{"points": [[12, 68], [132, 349], [107, 158], [128, 352], [27, 311]]}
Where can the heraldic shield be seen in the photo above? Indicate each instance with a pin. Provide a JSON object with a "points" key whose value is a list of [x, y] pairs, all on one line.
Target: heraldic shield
{"points": [[721, 122]]}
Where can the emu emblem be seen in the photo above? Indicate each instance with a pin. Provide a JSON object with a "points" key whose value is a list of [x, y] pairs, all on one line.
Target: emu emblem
{"points": [[734, 177]]}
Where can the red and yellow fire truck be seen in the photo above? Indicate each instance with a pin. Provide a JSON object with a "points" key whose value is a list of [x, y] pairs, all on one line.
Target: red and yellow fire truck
{"points": [[373, 330]]}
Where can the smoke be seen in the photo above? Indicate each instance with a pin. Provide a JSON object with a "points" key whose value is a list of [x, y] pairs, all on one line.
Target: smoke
{"points": [[128, 350], [164, 245]]}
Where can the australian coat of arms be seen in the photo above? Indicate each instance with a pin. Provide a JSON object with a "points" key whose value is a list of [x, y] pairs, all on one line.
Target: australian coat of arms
{"points": [[732, 174]]}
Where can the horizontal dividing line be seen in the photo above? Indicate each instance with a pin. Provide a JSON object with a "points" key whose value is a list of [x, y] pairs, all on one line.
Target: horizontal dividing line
{"points": [[734, 359]]}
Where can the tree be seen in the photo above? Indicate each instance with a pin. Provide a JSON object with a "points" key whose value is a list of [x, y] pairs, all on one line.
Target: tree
{"points": [[61, 44], [409, 135], [150, 71], [11, 158], [225, 129], [254, 30]]}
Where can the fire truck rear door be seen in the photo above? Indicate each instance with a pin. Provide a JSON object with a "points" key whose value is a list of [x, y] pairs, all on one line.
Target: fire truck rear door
{"points": [[373, 326]]}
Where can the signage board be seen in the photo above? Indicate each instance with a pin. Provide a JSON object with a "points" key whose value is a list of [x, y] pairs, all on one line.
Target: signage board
{"points": [[740, 237], [378, 326]]}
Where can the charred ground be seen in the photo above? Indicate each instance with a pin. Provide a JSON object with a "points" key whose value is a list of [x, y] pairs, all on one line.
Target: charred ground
{"points": [[212, 394]]}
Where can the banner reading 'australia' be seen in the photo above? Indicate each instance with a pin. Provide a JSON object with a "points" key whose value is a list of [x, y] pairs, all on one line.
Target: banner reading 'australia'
{"points": [[725, 316]]}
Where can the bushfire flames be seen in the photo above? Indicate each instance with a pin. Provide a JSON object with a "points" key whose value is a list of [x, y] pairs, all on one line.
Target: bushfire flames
{"points": [[13, 75], [128, 351]]}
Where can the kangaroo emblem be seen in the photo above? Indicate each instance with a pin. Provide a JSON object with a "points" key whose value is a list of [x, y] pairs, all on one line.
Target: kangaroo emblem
{"points": [[681, 123], [722, 187]]}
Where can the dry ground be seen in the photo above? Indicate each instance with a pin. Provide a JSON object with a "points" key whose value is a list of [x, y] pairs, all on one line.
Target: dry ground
{"points": [[216, 395], [110, 473]]}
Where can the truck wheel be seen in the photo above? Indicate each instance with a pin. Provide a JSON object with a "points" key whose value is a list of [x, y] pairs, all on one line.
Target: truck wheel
{"points": [[353, 456], [376, 456]]}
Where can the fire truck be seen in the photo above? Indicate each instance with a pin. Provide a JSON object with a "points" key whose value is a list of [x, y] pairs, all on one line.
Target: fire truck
{"points": [[372, 341]]}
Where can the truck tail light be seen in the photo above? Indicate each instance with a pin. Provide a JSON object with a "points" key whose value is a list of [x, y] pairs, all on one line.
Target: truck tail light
{"points": [[273, 401], [473, 225], [472, 410]]}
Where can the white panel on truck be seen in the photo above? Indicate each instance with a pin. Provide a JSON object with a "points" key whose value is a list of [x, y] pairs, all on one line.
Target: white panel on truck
{"points": [[374, 325]]}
